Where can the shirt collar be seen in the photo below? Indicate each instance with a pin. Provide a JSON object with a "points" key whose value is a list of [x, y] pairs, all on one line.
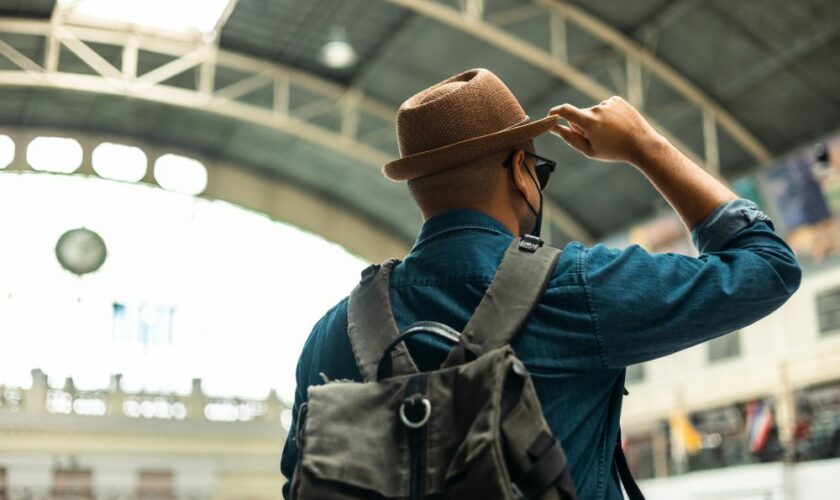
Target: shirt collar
{"points": [[457, 220]]}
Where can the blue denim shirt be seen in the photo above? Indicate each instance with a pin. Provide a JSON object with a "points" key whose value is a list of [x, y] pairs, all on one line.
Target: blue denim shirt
{"points": [[603, 310]]}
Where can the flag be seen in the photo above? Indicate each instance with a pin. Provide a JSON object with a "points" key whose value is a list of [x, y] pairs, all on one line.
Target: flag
{"points": [[685, 433], [759, 423]]}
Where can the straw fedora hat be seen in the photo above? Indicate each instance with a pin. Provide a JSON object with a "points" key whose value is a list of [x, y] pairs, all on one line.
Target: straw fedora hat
{"points": [[458, 120]]}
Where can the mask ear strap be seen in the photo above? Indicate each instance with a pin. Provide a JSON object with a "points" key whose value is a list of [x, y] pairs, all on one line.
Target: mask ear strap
{"points": [[508, 163], [538, 214], [538, 191]]}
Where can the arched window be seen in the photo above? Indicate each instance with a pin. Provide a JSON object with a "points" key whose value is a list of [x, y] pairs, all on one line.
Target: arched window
{"points": [[61, 155], [119, 162], [181, 174]]}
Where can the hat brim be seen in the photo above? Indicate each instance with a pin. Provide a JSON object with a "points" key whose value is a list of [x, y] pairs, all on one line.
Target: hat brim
{"points": [[452, 155]]}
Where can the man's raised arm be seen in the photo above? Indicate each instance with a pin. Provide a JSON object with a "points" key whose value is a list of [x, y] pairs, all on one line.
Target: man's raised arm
{"points": [[615, 131], [648, 305]]}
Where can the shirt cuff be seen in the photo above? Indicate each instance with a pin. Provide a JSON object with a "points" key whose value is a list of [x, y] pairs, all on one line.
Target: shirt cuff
{"points": [[725, 222]]}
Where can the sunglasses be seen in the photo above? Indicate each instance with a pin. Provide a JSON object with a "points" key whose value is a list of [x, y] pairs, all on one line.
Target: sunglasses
{"points": [[544, 167]]}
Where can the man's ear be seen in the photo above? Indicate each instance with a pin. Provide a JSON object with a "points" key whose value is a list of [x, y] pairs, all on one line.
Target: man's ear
{"points": [[518, 169]]}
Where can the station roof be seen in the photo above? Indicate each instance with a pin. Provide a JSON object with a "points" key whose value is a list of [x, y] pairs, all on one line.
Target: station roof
{"points": [[736, 83]]}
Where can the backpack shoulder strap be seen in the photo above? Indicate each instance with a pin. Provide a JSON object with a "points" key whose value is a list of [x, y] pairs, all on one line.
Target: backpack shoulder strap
{"points": [[515, 290], [630, 487], [371, 325]]}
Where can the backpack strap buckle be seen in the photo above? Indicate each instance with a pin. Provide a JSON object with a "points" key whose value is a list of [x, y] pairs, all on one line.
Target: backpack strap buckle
{"points": [[530, 243], [416, 419]]}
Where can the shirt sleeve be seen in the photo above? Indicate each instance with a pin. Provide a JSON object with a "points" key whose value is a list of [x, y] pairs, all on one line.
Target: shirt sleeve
{"points": [[310, 371], [303, 379], [646, 306], [288, 462]]}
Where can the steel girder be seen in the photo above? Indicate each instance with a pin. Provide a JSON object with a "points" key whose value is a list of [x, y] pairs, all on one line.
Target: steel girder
{"points": [[470, 18], [207, 59]]}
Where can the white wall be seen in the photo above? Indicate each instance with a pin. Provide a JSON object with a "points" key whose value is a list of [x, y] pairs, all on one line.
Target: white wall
{"points": [[194, 476], [818, 480]]}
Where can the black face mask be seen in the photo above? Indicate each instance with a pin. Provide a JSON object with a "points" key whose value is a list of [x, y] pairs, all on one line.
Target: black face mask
{"points": [[537, 213]]}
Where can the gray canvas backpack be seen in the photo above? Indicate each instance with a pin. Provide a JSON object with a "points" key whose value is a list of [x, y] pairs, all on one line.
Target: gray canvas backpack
{"points": [[471, 429]]}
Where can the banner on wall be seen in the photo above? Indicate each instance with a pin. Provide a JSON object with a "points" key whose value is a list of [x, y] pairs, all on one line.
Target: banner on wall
{"points": [[801, 192], [805, 190]]}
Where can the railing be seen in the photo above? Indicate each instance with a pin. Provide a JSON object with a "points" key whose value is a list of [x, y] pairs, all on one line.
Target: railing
{"points": [[110, 494], [114, 401]]}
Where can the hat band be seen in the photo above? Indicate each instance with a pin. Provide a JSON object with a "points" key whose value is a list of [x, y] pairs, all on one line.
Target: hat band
{"points": [[517, 123]]}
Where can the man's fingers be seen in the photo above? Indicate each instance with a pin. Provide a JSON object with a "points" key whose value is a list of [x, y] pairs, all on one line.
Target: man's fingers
{"points": [[573, 139], [577, 129], [572, 114]]}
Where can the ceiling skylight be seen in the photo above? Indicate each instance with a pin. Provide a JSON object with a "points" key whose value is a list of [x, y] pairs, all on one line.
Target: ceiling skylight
{"points": [[184, 16], [61, 155], [7, 151], [119, 162], [181, 174]]}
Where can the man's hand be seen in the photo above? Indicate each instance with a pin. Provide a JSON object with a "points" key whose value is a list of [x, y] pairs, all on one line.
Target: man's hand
{"points": [[615, 131], [610, 131]]}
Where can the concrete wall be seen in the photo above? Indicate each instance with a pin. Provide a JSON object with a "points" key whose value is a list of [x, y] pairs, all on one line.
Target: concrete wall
{"points": [[818, 480]]}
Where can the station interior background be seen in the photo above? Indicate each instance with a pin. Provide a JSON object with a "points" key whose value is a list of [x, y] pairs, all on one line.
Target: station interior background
{"points": [[186, 186]]}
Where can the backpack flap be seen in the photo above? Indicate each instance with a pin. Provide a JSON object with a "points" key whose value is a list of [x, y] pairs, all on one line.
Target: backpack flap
{"points": [[477, 406], [355, 445], [353, 442], [536, 461], [508, 439]]}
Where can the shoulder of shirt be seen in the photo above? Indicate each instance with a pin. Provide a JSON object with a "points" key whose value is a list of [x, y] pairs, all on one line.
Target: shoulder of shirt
{"points": [[578, 260], [337, 312], [334, 317], [569, 268]]}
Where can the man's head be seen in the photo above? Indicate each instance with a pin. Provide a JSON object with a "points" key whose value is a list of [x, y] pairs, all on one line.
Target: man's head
{"points": [[466, 142], [503, 185]]}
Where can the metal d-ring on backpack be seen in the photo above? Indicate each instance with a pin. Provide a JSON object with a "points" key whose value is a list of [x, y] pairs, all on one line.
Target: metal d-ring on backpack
{"points": [[471, 429]]}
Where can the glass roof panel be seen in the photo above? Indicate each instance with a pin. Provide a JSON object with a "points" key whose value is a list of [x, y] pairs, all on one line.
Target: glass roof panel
{"points": [[183, 16]]}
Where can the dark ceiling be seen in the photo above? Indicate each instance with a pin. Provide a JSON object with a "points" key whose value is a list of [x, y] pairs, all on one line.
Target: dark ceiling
{"points": [[773, 64]]}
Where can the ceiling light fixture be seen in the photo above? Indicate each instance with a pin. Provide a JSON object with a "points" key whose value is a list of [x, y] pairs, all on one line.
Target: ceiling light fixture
{"points": [[81, 251], [337, 53]]}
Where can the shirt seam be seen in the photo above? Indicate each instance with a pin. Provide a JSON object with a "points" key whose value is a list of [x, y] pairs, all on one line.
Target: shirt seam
{"points": [[590, 304], [477, 226], [601, 487]]}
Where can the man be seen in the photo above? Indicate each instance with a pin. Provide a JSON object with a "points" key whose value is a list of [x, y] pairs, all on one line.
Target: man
{"points": [[468, 158]]}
